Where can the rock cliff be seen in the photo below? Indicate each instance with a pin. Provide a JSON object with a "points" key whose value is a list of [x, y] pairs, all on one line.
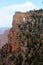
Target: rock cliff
{"points": [[25, 40], [20, 17]]}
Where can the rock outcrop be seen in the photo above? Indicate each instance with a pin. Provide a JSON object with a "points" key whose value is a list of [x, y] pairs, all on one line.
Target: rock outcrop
{"points": [[18, 18], [25, 40]]}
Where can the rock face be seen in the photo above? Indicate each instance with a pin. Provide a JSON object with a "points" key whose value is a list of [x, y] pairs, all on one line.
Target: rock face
{"points": [[18, 18], [25, 40], [12, 39]]}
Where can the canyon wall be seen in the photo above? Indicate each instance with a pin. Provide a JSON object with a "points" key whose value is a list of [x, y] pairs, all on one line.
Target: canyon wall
{"points": [[25, 40], [19, 17]]}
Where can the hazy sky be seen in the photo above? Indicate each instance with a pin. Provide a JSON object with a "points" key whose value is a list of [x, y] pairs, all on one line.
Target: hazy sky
{"points": [[8, 8]]}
